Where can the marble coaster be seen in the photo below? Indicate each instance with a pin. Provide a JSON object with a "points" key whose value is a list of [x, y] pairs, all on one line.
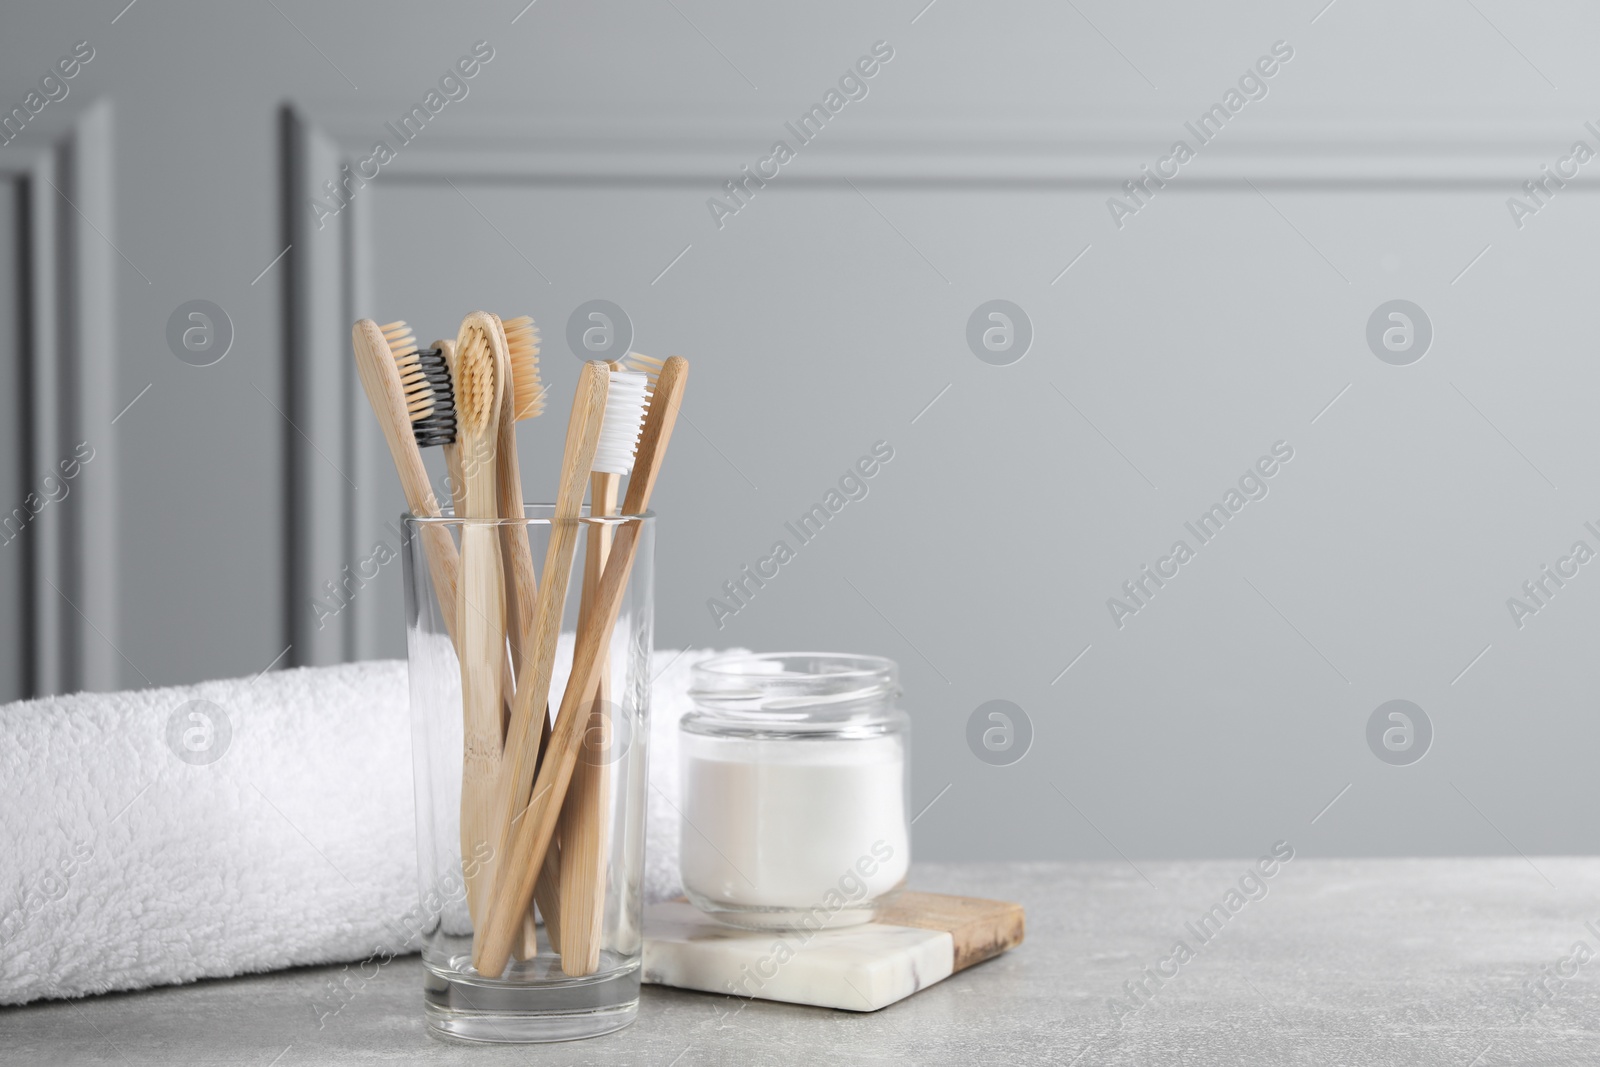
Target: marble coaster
{"points": [[923, 938]]}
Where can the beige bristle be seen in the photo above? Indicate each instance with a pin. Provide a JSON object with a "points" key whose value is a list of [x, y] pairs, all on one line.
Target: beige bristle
{"points": [[403, 347], [474, 381], [646, 365], [528, 392]]}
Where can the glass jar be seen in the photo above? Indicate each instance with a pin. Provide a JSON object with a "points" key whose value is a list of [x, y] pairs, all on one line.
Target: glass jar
{"points": [[547, 993], [794, 789]]}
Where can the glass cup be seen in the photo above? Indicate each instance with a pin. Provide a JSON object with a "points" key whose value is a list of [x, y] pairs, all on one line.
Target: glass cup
{"points": [[795, 782], [536, 998]]}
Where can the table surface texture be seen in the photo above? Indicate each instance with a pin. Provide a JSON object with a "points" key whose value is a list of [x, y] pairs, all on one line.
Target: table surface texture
{"points": [[1361, 962]]}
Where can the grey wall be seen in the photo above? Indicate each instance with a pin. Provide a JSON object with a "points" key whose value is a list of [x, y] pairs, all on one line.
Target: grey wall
{"points": [[831, 313]]}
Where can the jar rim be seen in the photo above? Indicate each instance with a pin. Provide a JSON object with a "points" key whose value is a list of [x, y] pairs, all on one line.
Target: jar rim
{"points": [[863, 666], [800, 690]]}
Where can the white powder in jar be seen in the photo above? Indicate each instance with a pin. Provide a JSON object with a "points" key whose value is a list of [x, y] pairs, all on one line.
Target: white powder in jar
{"points": [[793, 823]]}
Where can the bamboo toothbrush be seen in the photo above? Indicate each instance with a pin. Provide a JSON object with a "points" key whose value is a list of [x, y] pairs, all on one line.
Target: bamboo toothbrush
{"points": [[585, 819], [423, 381], [536, 825], [399, 384], [443, 391], [583, 830], [522, 748], [524, 400], [481, 369]]}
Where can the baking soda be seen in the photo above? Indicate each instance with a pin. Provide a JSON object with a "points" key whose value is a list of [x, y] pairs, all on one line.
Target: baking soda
{"points": [[793, 824]]}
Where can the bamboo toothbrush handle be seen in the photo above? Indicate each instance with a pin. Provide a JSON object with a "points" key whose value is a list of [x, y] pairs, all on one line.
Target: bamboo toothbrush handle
{"points": [[522, 590], [458, 505], [481, 368], [525, 855], [524, 585], [584, 822], [547, 890], [381, 380], [523, 582], [458, 492], [483, 643], [533, 831], [458, 484], [546, 893], [522, 755]]}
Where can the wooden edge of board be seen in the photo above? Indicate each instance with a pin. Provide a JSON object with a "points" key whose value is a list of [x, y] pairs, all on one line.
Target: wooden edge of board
{"points": [[981, 929]]}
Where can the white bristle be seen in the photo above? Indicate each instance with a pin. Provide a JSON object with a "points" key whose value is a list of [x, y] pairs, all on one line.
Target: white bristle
{"points": [[621, 423]]}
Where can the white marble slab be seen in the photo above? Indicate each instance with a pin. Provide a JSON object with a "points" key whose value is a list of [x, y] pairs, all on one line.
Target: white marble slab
{"points": [[856, 968]]}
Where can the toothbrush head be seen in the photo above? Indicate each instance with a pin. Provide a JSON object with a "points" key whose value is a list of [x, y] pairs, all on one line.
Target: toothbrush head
{"points": [[477, 377], [528, 392], [621, 423], [429, 397]]}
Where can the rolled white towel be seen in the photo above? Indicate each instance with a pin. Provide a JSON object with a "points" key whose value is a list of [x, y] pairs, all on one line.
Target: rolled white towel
{"points": [[202, 831]]}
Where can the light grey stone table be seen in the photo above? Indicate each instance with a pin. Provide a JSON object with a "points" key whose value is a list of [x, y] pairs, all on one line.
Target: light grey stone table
{"points": [[1359, 962]]}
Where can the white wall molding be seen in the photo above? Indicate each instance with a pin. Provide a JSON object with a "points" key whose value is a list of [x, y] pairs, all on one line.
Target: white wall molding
{"points": [[1003, 152], [328, 269], [319, 393]]}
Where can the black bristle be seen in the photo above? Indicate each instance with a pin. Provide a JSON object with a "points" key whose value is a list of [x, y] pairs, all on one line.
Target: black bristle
{"points": [[439, 427]]}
